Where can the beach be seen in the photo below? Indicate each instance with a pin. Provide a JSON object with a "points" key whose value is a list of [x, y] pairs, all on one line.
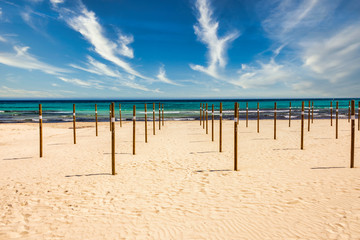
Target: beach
{"points": [[178, 185]]}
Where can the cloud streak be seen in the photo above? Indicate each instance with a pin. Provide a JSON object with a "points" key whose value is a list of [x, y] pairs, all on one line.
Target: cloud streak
{"points": [[206, 31], [162, 77]]}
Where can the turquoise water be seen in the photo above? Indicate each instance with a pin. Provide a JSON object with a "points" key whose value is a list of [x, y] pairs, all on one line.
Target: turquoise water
{"points": [[61, 110]]}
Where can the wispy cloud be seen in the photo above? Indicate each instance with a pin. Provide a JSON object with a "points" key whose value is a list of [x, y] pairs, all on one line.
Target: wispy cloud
{"points": [[7, 92], [139, 87], [2, 39], [55, 2], [82, 83], [207, 32], [98, 68], [162, 77], [22, 59]]}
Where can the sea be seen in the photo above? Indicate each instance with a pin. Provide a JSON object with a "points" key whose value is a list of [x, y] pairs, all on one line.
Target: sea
{"points": [[20, 111]]}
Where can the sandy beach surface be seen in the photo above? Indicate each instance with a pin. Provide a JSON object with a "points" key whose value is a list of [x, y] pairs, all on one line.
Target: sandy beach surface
{"points": [[178, 185]]}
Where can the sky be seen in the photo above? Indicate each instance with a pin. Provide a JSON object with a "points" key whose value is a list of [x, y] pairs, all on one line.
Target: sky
{"points": [[158, 49]]}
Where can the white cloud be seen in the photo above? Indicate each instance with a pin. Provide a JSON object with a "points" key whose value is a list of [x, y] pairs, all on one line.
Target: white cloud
{"points": [[1, 13], [2, 39], [13, 92], [55, 2], [22, 59], [86, 23], [98, 68], [82, 83], [334, 57], [162, 77], [206, 31], [139, 87]]}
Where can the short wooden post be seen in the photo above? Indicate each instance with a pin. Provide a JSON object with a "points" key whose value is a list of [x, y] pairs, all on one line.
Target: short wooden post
{"points": [[352, 134], [274, 120], [235, 135], [134, 128], [312, 112], [212, 122], [207, 126], [96, 120], [349, 113], [110, 116], [159, 116], [238, 113], [200, 113], [359, 116], [203, 116], [153, 118], [40, 130], [120, 115], [162, 113], [145, 124], [309, 117], [74, 124], [302, 126], [112, 138], [337, 121], [247, 114], [290, 115], [331, 113], [220, 129], [258, 118]]}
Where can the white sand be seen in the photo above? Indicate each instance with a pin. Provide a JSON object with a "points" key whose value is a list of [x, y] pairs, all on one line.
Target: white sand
{"points": [[178, 186]]}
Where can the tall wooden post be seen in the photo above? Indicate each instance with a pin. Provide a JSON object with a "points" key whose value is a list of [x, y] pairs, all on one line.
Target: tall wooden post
{"points": [[207, 117], [309, 117], [134, 128], [238, 113], [113, 138], [159, 116], [162, 107], [74, 124], [302, 125], [274, 120], [212, 122], [290, 115], [120, 115], [110, 116], [145, 123], [40, 130], [153, 118], [352, 134], [331, 113], [203, 115], [220, 129], [312, 112], [96, 120], [337, 121], [258, 118], [349, 113], [247, 114], [200, 113], [235, 135], [359, 116]]}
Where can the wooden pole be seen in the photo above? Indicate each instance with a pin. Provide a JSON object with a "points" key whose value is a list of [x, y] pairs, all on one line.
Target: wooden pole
{"points": [[220, 129], [235, 135], [159, 116], [352, 134], [312, 112], [96, 119], [212, 122], [302, 125], [331, 113], [40, 130], [359, 116], [207, 117], [110, 117], [274, 120], [145, 124], [120, 115], [74, 124], [258, 118], [290, 115], [309, 117], [247, 114], [238, 113], [113, 139], [203, 116], [200, 113], [349, 113], [337, 121], [134, 127], [153, 118], [162, 106]]}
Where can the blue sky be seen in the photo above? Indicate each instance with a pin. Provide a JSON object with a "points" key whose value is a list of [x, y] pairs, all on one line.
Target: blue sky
{"points": [[179, 49]]}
